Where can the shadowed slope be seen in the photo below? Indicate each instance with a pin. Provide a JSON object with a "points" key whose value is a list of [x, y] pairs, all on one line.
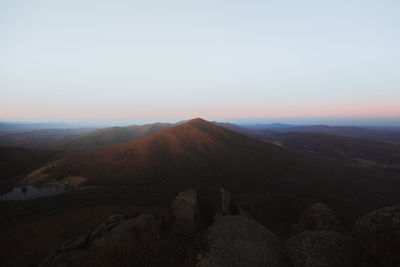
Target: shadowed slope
{"points": [[17, 162]]}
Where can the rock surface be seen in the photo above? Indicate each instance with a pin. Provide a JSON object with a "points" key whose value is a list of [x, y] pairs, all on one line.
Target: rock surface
{"points": [[226, 205], [378, 234], [75, 242], [318, 216], [239, 241], [115, 242], [243, 210], [184, 215], [109, 223], [320, 249], [361, 258]]}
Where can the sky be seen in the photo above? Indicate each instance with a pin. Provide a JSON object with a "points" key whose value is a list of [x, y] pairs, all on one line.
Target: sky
{"points": [[170, 60]]}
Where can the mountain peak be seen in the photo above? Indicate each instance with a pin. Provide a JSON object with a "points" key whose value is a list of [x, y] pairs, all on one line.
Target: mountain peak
{"points": [[204, 125], [198, 120]]}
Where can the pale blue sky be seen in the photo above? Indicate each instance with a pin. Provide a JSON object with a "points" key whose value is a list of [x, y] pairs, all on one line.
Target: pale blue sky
{"points": [[161, 60]]}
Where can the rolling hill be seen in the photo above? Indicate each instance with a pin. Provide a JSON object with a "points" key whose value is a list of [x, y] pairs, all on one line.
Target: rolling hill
{"points": [[112, 136], [79, 139], [377, 134], [42, 139]]}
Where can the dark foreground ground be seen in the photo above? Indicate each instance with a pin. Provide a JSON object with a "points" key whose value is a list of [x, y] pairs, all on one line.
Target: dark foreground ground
{"points": [[31, 229]]}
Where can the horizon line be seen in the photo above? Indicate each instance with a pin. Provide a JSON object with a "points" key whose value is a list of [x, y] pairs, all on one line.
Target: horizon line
{"points": [[385, 121]]}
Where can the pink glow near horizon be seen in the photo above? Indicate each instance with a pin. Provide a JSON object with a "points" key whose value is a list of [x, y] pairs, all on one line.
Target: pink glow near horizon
{"points": [[339, 110]]}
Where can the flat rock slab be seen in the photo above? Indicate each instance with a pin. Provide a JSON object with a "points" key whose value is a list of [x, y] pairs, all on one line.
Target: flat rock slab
{"points": [[240, 241]]}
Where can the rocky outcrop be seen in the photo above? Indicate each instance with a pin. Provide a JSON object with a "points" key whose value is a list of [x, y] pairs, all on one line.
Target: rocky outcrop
{"points": [[243, 210], [226, 204], [117, 241], [75, 242], [239, 241], [232, 237], [361, 258], [105, 226], [184, 215], [320, 249], [317, 216], [378, 234]]}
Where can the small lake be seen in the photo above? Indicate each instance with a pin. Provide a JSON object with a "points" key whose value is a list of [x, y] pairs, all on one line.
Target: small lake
{"points": [[31, 192]]}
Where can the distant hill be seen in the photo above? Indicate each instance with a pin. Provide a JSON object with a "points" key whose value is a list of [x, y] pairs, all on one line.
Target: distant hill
{"points": [[112, 136], [42, 139], [382, 135], [269, 126], [348, 150], [79, 139], [19, 127]]}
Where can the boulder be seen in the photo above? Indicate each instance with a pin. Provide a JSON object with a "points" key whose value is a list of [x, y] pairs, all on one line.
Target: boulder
{"points": [[243, 210], [184, 215], [378, 234], [239, 241], [148, 228], [143, 229], [75, 242], [361, 258], [226, 204], [128, 243], [115, 242], [104, 227], [167, 252], [320, 249], [69, 258], [318, 216]]}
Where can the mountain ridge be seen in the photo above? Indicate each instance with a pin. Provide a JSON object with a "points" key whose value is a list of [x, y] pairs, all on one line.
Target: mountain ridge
{"points": [[201, 154], [197, 149]]}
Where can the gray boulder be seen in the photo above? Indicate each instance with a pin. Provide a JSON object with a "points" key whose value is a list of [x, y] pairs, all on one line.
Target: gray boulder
{"points": [[105, 226], [320, 249], [184, 215], [378, 234], [226, 204], [243, 210], [318, 216], [115, 242]]}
